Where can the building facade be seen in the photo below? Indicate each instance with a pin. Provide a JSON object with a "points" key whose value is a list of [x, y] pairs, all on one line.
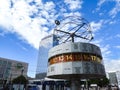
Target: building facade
{"points": [[10, 69], [118, 78], [114, 78], [45, 45]]}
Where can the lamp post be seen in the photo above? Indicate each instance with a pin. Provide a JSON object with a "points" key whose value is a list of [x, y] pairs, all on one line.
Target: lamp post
{"points": [[10, 82], [22, 70]]}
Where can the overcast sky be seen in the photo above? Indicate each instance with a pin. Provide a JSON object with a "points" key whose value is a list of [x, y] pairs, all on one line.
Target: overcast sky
{"points": [[23, 23]]}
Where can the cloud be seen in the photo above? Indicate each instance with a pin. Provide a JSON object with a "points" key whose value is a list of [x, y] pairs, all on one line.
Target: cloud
{"points": [[118, 47], [97, 42], [73, 14], [105, 49], [74, 4], [118, 35], [2, 34], [95, 26], [22, 47], [19, 19], [32, 20], [112, 65], [112, 22], [100, 2], [116, 9]]}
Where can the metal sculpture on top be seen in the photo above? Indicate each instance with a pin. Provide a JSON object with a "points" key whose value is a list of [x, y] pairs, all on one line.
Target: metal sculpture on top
{"points": [[72, 28]]}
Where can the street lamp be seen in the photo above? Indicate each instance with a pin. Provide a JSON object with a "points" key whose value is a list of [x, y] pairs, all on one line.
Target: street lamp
{"points": [[22, 70]]}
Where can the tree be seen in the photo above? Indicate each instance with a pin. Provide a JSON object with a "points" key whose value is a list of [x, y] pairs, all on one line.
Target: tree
{"points": [[103, 82], [100, 82], [20, 80]]}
